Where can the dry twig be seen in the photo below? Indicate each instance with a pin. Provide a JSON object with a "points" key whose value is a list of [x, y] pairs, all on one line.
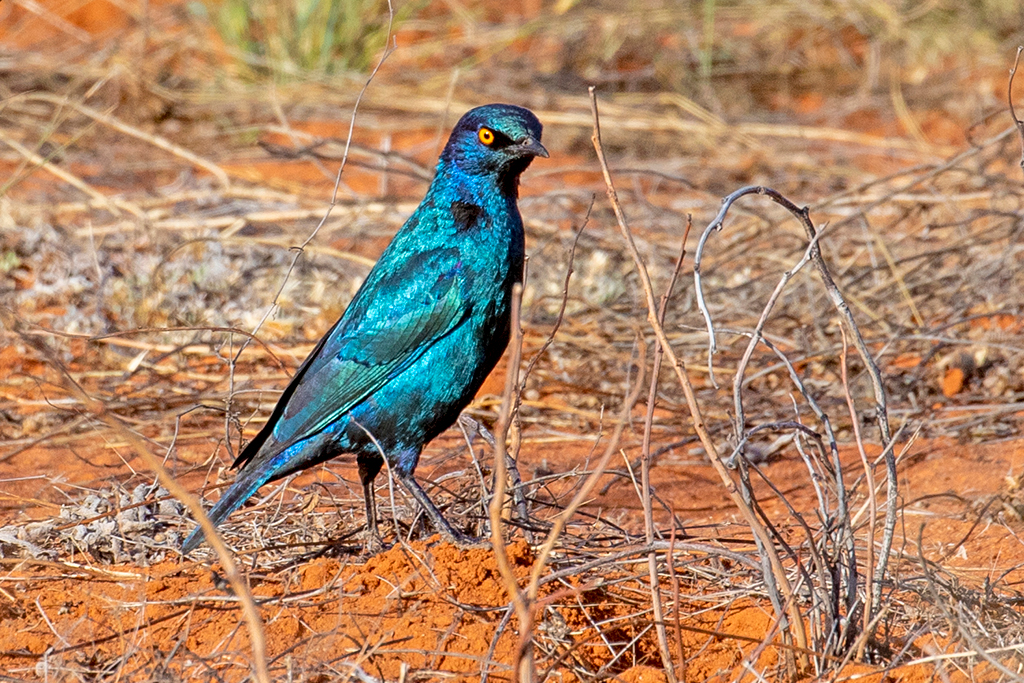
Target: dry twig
{"points": [[777, 573], [1009, 98]]}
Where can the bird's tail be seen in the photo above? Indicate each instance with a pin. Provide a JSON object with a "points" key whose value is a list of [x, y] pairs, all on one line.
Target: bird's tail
{"points": [[244, 486]]}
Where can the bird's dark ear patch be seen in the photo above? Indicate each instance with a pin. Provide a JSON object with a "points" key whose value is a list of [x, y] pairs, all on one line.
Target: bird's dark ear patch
{"points": [[465, 214]]}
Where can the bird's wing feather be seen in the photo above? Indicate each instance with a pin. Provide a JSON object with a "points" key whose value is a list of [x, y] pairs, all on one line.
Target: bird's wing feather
{"points": [[256, 444], [388, 326]]}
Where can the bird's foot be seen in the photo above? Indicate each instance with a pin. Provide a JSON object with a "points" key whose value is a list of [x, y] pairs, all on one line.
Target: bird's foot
{"points": [[464, 540], [373, 544], [471, 427], [447, 531]]}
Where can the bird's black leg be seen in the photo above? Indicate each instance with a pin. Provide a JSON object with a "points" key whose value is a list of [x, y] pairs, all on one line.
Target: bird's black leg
{"points": [[438, 520], [369, 467]]}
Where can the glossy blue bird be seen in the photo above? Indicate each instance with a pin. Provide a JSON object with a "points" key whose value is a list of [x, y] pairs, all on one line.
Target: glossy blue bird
{"points": [[427, 326]]}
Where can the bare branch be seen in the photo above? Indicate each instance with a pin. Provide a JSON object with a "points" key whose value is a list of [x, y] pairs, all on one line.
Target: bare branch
{"points": [[777, 572], [881, 410], [1009, 97]]}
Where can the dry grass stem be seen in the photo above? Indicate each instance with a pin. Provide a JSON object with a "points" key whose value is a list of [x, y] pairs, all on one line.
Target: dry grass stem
{"points": [[796, 620], [1009, 101]]}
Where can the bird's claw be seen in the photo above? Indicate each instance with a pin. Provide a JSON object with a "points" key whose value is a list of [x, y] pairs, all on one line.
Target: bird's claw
{"points": [[373, 544], [464, 540]]}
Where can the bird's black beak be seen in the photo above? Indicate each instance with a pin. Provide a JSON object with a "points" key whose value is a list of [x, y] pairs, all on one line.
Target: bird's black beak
{"points": [[530, 146]]}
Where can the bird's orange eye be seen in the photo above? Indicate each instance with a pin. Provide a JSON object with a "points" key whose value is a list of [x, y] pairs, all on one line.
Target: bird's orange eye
{"points": [[486, 136]]}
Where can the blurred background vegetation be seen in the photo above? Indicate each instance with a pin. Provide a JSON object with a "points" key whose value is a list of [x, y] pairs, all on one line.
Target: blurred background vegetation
{"points": [[921, 69], [694, 48]]}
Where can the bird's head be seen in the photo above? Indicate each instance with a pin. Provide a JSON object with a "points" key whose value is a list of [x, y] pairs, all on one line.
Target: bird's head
{"points": [[495, 140]]}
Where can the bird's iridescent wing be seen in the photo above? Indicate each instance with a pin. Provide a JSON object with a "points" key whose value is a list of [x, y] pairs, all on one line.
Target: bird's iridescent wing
{"points": [[391, 323]]}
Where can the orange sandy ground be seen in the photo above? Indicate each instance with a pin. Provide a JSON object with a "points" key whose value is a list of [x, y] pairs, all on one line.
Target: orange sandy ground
{"points": [[429, 607]]}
